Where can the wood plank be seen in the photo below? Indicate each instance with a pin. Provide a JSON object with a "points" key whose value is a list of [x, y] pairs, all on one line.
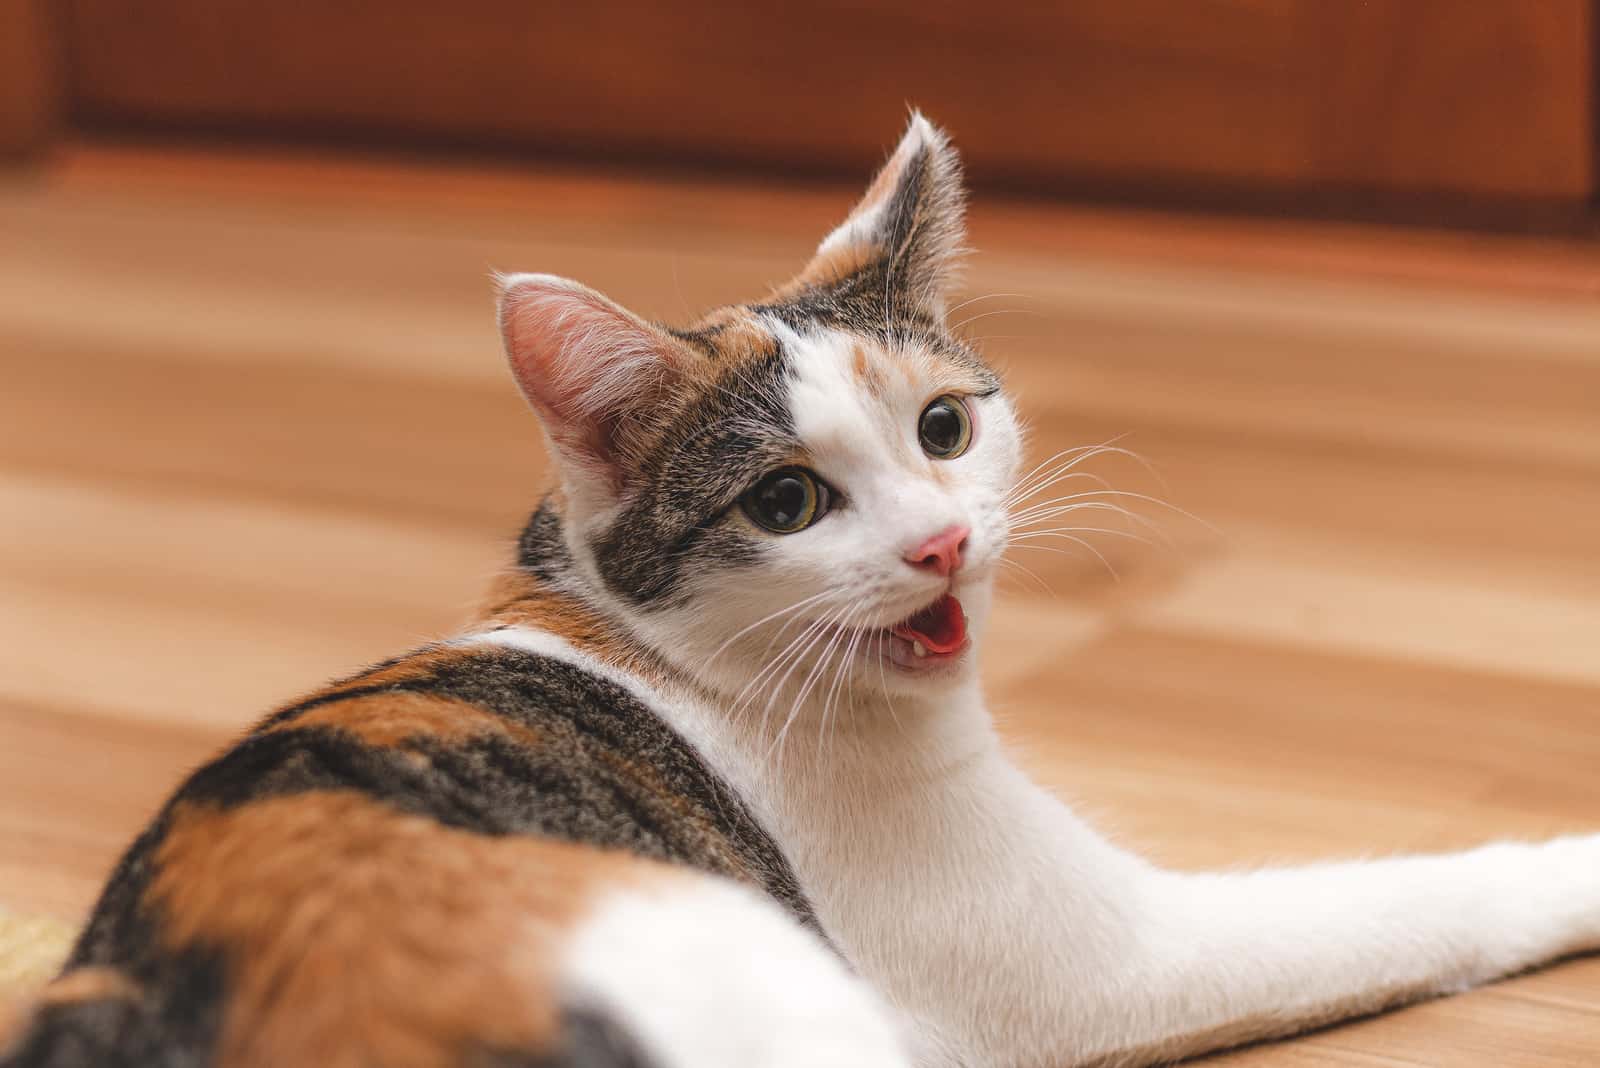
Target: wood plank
{"points": [[237, 564], [73, 808], [724, 217]]}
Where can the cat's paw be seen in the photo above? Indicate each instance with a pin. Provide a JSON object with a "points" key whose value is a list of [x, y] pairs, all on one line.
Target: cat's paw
{"points": [[708, 974], [1542, 900], [1572, 866]]}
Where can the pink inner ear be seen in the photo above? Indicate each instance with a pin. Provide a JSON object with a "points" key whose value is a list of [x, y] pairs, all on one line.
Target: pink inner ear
{"points": [[583, 362]]}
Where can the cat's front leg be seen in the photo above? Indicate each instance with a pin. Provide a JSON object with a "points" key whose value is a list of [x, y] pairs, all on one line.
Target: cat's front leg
{"points": [[1018, 937], [1227, 958]]}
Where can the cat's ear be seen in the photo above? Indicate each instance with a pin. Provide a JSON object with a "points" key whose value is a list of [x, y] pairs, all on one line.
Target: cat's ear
{"points": [[589, 367], [906, 235]]}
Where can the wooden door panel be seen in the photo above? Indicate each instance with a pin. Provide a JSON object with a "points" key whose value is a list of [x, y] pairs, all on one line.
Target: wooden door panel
{"points": [[28, 85], [1490, 98]]}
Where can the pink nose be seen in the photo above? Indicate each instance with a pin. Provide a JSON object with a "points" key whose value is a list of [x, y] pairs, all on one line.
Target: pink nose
{"points": [[940, 554]]}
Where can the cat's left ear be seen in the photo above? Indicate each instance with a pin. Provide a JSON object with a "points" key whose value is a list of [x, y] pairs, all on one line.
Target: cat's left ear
{"points": [[902, 242]]}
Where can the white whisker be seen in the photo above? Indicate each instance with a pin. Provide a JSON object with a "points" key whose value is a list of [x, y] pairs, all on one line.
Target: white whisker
{"points": [[1068, 537]]}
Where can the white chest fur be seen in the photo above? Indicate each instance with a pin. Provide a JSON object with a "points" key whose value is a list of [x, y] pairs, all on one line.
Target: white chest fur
{"points": [[1008, 933]]}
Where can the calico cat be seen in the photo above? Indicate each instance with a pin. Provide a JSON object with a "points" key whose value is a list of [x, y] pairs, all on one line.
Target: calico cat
{"points": [[587, 830]]}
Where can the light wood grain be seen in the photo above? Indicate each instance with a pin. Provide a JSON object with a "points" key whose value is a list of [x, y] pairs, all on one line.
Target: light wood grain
{"points": [[255, 432]]}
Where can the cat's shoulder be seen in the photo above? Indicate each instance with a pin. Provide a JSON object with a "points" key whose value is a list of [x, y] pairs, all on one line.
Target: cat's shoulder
{"points": [[509, 731], [517, 684]]}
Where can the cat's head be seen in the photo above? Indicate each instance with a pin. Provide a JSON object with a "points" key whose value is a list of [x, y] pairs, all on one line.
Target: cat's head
{"points": [[806, 490]]}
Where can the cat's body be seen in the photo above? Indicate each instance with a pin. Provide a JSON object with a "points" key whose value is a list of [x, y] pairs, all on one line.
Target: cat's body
{"points": [[711, 781], [397, 870]]}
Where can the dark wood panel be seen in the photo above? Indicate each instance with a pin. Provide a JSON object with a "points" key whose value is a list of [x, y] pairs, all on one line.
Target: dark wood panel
{"points": [[27, 76], [1494, 98], [1487, 99], [1194, 87]]}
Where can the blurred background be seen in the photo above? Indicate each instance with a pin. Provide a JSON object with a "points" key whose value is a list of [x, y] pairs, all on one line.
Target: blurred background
{"points": [[1417, 110], [1328, 271]]}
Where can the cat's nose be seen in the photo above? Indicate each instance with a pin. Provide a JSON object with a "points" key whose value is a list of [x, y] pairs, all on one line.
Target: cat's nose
{"points": [[941, 554]]}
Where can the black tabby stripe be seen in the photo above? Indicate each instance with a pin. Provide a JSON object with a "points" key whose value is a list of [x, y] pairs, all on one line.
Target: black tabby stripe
{"points": [[590, 1039], [610, 773], [709, 452]]}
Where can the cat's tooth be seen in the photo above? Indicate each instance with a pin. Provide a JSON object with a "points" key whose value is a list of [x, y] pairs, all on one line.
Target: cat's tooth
{"points": [[918, 649]]}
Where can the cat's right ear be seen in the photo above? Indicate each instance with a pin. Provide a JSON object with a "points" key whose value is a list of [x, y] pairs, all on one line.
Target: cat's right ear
{"points": [[904, 239], [588, 366]]}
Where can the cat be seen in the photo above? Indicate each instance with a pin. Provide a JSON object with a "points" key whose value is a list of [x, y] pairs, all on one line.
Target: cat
{"points": [[587, 831]]}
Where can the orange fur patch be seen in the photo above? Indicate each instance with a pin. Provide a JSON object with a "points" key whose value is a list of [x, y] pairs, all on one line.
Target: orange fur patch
{"points": [[358, 935], [867, 365], [737, 334], [520, 599], [390, 719], [826, 268], [415, 666]]}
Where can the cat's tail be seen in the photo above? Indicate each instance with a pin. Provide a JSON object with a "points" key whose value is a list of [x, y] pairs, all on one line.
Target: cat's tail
{"points": [[94, 1018], [89, 1016]]}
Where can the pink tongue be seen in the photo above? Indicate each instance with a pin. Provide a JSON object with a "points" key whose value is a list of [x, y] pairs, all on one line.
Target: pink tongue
{"points": [[941, 627]]}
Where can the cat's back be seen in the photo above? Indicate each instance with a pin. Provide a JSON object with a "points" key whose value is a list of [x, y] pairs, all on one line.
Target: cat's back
{"points": [[393, 870]]}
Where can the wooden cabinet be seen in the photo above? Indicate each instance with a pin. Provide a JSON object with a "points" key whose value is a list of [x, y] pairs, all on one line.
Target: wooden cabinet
{"points": [[1409, 103], [28, 76]]}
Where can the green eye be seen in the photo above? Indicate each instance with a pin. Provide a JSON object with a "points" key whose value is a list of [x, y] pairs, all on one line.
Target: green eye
{"points": [[786, 500], [945, 428]]}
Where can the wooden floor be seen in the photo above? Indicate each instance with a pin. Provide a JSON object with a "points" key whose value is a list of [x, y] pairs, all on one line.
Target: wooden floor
{"points": [[254, 432]]}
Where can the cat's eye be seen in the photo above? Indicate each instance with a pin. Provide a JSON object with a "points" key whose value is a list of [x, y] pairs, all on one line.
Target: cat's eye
{"points": [[786, 500], [945, 428]]}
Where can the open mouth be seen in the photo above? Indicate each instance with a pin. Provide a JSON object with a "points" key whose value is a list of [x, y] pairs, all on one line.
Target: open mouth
{"points": [[934, 636]]}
